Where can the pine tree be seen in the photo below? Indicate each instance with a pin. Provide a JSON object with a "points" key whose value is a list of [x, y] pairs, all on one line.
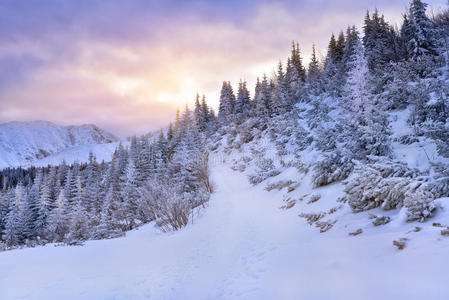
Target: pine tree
{"points": [[14, 227], [3, 209], [357, 88], [332, 51], [263, 102], [79, 222], [296, 63], [106, 227], [378, 41], [352, 36], [44, 208], [92, 185], [58, 220], [314, 67], [339, 47], [227, 103], [31, 206], [282, 96], [366, 127], [130, 195], [170, 132], [145, 162], [418, 31], [243, 103]]}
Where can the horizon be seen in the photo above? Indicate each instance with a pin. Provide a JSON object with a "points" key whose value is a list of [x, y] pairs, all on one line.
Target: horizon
{"points": [[130, 69]]}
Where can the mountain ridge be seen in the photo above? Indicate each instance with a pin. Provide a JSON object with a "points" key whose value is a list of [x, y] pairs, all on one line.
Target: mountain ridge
{"points": [[21, 143]]}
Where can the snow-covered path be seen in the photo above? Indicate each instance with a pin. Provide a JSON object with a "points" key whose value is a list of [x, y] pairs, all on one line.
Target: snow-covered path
{"points": [[242, 247]]}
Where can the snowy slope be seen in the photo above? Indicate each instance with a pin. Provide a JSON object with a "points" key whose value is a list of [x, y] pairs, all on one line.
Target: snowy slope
{"points": [[241, 247], [22, 143], [102, 152]]}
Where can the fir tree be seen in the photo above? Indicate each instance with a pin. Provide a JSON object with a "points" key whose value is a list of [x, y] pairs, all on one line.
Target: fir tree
{"points": [[243, 103], [314, 67], [419, 33]]}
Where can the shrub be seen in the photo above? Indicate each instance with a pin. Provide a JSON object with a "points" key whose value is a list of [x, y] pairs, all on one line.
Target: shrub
{"points": [[265, 169], [332, 168]]}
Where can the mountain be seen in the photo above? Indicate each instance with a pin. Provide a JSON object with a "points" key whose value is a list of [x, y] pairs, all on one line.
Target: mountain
{"points": [[22, 143]]}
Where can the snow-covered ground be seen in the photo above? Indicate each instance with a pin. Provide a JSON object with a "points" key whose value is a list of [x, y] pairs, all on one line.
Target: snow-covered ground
{"points": [[102, 152], [241, 247]]}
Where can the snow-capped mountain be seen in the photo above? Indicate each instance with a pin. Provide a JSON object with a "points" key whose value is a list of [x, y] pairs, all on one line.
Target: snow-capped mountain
{"points": [[22, 143]]}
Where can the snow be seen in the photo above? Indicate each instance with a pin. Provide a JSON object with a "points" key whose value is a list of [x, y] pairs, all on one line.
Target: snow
{"points": [[419, 155], [24, 143], [103, 152], [242, 247]]}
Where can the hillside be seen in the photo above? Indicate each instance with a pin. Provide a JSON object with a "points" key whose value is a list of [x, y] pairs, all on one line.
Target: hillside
{"points": [[24, 143], [242, 246]]}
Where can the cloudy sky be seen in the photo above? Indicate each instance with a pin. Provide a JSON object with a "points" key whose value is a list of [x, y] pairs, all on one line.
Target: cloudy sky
{"points": [[126, 65]]}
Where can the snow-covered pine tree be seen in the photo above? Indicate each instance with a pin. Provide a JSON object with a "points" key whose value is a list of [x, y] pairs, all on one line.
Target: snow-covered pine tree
{"points": [[242, 103], [145, 163], [107, 226], [263, 102], [340, 45], [92, 185], [43, 211], [3, 209], [366, 127], [128, 206], [282, 98], [378, 42], [227, 103], [31, 205], [313, 72], [15, 225], [351, 38], [59, 220], [419, 32], [79, 222]]}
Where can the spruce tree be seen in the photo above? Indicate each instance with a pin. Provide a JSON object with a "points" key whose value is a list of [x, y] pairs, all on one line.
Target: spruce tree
{"points": [[313, 71], [419, 34], [58, 220], [227, 102], [242, 103]]}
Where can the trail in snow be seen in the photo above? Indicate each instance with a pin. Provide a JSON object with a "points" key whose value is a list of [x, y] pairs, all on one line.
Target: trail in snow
{"points": [[243, 247]]}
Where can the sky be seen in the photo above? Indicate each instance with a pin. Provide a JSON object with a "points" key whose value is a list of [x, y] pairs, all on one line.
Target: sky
{"points": [[127, 65]]}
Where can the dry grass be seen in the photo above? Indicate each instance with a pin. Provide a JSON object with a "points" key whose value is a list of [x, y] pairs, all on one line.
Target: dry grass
{"points": [[357, 232], [314, 198], [401, 243]]}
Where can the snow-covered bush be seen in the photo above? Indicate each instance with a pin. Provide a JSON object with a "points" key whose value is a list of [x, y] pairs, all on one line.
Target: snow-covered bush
{"points": [[279, 185], [419, 203], [265, 169], [325, 138], [383, 185], [372, 187], [332, 168], [380, 220], [164, 203]]}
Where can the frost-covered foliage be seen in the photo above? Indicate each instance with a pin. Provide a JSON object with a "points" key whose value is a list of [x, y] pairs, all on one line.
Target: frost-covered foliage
{"points": [[419, 203], [389, 186], [334, 167], [265, 169]]}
